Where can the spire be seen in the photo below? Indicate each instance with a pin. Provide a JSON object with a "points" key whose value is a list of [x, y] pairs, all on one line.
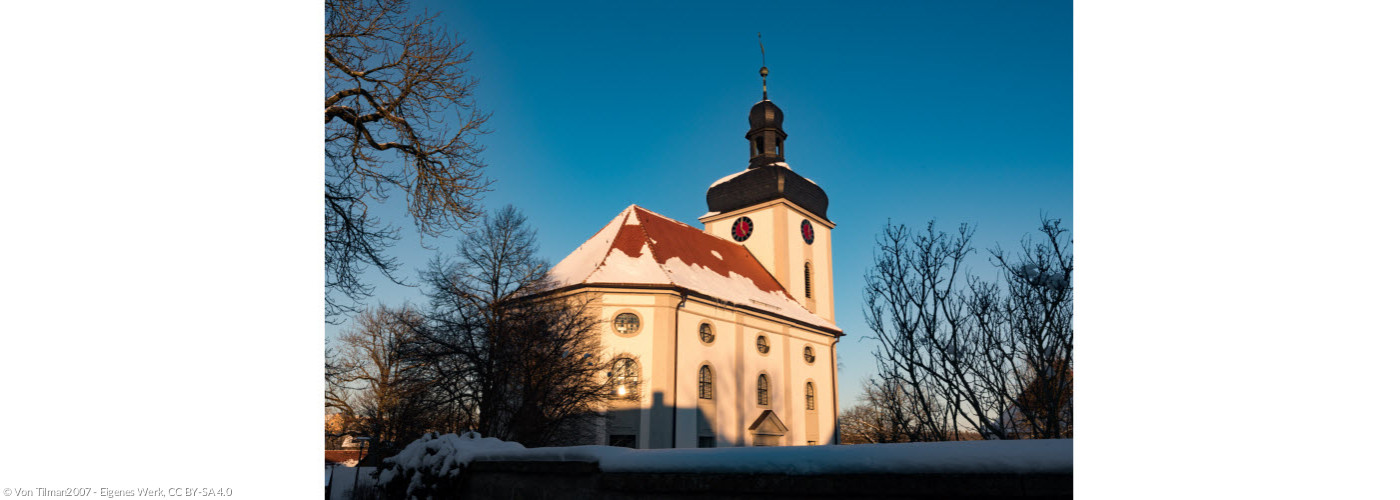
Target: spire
{"points": [[763, 71], [766, 134]]}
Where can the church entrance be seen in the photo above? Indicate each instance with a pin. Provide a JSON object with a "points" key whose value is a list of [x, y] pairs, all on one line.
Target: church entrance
{"points": [[768, 430]]}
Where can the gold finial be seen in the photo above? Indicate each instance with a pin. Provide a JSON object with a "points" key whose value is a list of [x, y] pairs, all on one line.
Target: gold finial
{"points": [[763, 72]]}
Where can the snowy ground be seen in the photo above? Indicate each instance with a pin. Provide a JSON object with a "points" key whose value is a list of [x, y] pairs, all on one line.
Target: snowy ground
{"points": [[447, 452]]}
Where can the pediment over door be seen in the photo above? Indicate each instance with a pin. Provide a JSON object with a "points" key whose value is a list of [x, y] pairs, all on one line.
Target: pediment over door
{"points": [[768, 424]]}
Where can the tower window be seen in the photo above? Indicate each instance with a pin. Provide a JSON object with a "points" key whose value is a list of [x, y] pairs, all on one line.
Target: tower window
{"points": [[762, 344], [808, 355], [707, 383], [760, 146], [811, 396], [707, 333], [763, 390], [807, 277]]}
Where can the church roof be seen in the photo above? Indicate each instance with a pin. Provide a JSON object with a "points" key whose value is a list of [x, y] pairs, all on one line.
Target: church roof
{"points": [[639, 247]]}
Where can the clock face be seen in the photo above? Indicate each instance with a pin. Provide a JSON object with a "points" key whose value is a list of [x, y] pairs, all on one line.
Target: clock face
{"points": [[743, 228], [807, 233]]}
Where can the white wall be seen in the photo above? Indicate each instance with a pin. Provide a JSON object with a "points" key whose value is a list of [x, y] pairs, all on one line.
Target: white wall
{"points": [[777, 244], [734, 360]]}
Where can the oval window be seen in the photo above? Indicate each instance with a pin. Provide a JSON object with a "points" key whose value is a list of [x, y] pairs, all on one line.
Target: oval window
{"points": [[707, 333], [627, 324], [763, 344]]}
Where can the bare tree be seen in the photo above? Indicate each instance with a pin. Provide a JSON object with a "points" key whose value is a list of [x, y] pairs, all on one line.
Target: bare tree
{"points": [[991, 357], [881, 416], [1031, 323], [377, 385], [400, 120], [527, 365]]}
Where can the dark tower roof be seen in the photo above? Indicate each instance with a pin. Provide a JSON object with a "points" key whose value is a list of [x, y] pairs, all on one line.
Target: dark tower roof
{"points": [[768, 177], [769, 182], [765, 114]]}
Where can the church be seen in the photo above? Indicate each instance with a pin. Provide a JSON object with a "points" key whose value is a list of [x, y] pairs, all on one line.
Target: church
{"points": [[727, 335]]}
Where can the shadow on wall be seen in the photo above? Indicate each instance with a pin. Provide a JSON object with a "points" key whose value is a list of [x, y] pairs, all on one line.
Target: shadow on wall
{"points": [[695, 427]]}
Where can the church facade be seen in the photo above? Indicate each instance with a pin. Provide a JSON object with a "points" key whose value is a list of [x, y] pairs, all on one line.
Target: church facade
{"points": [[726, 336]]}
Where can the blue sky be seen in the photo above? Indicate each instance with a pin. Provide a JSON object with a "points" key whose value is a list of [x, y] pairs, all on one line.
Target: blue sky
{"points": [[955, 111]]}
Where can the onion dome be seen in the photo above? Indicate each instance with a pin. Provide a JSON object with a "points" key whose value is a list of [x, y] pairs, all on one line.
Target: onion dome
{"points": [[765, 114]]}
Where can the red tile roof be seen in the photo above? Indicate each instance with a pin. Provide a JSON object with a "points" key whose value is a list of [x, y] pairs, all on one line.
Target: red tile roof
{"points": [[640, 247]]}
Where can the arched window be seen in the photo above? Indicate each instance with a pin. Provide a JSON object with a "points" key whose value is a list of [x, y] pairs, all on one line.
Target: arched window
{"points": [[811, 396], [763, 390], [624, 377], [763, 344], [807, 274], [707, 383]]}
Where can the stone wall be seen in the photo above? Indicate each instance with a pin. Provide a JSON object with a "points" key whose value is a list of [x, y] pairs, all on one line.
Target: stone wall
{"points": [[583, 480]]}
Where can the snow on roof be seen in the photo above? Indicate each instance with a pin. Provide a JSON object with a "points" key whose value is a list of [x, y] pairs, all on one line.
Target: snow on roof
{"points": [[727, 177], [1009, 456], [736, 174], [639, 247]]}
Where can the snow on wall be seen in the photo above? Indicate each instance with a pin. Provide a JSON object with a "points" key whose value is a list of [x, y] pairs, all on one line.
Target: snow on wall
{"points": [[439, 456], [967, 457]]}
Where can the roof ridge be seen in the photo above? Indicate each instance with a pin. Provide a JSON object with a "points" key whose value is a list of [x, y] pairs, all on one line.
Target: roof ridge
{"points": [[599, 265], [632, 210]]}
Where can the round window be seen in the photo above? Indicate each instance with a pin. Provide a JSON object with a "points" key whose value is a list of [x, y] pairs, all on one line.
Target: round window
{"points": [[808, 355], [763, 344], [627, 324], [707, 333]]}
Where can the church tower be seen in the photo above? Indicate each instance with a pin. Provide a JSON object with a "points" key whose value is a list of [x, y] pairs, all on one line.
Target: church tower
{"points": [[779, 215]]}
